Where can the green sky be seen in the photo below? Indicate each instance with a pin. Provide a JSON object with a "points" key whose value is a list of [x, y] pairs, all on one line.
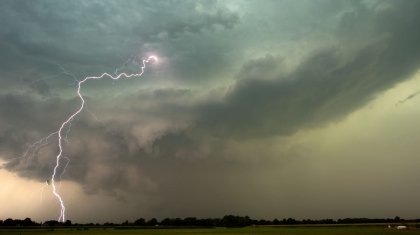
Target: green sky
{"points": [[271, 109]]}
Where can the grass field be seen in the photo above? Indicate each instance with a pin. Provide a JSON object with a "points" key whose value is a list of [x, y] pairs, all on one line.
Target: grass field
{"points": [[226, 231]]}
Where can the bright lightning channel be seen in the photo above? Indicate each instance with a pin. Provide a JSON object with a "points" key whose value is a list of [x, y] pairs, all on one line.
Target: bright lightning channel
{"points": [[68, 121]]}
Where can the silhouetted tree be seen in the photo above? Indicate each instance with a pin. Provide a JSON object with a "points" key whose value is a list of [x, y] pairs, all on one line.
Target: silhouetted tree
{"points": [[28, 222], [152, 222], [226, 221], [206, 223], [190, 221], [52, 223], [177, 222], [140, 222], [289, 221], [9, 222], [276, 222], [327, 221], [235, 221], [68, 223]]}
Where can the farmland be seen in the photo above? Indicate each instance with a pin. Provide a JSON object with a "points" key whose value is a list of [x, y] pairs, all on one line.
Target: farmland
{"points": [[313, 230]]}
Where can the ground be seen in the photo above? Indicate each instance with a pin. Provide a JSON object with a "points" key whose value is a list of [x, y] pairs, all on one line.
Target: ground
{"points": [[227, 231]]}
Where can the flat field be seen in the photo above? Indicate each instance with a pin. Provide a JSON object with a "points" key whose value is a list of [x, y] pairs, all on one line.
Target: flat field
{"points": [[225, 231]]}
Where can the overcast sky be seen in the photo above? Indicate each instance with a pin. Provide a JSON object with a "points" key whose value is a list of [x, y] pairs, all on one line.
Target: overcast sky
{"points": [[272, 109]]}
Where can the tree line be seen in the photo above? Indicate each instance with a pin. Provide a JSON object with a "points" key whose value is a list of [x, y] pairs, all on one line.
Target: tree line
{"points": [[225, 221]]}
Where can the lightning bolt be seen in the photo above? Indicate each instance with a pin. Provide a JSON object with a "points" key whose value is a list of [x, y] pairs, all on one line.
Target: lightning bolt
{"points": [[67, 123]]}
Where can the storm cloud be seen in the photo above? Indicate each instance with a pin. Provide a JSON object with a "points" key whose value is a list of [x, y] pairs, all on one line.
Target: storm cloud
{"points": [[234, 78]]}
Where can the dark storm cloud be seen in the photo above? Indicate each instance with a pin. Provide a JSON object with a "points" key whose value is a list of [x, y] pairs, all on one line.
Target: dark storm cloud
{"points": [[327, 85], [91, 36], [24, 119], [105, 155], [153, 139], [38, 39]]}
